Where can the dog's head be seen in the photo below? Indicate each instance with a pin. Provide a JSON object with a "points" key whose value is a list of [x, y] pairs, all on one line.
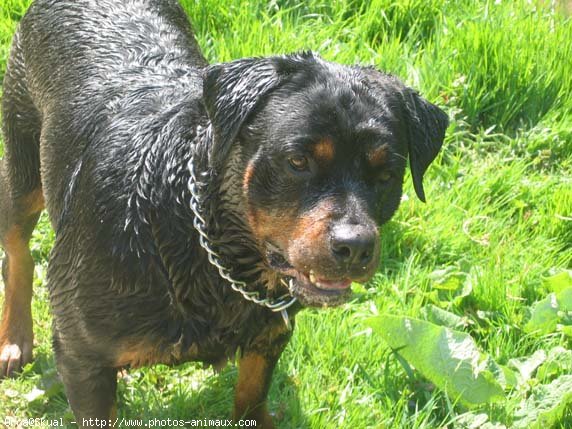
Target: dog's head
{"points": [[324, 150]]}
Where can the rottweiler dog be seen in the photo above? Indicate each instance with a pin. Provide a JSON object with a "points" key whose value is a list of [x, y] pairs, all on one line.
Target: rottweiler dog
{"points": [[190, 201]]}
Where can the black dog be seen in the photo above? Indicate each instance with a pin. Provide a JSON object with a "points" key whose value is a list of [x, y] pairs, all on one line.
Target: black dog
{"points": [[284, 165]]}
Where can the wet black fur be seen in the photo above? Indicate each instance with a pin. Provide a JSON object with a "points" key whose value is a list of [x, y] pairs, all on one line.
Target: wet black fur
{"points": [[121, 95]]}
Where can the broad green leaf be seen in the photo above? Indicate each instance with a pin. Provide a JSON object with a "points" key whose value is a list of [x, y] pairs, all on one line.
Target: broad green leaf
{"points": [[509, 379], [526, 366], [452, 283], [450, 359], [505, 376], [565, 299], [558, 282], [546, 405], [471, 420], [559, 360], [465, 290], [546, 313], [449, 284], [544, 316], [441, 317], [441, 276]]}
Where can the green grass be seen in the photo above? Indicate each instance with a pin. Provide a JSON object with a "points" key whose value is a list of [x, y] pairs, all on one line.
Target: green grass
{"points": [[499, 209]]}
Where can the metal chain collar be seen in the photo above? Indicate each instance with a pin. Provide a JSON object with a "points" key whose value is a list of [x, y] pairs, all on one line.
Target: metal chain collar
{"points": [[279, 304]]}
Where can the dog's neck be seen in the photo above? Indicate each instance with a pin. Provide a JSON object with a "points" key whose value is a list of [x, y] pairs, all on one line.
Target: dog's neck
{"points": [[224, 192], [225, 211]]}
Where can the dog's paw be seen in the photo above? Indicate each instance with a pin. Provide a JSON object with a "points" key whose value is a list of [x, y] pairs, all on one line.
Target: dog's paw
{"points": [[14, 355]]}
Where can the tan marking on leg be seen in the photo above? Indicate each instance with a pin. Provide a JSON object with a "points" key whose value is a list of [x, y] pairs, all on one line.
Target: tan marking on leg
{"points": [[20, 270], [16, 336], [32, 203], [254, 376]]}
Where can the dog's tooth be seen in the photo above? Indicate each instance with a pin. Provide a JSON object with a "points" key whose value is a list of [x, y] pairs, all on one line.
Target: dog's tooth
{"points": [[312, 277]]}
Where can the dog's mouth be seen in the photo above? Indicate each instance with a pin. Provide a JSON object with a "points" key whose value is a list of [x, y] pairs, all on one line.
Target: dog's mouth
{"points": [[308, 287]]}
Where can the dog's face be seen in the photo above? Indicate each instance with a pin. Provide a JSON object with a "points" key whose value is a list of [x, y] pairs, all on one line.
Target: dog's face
{"points": [[324, 152]]}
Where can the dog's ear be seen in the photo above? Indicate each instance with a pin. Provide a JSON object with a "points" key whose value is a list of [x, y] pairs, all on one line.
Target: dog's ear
{"points": [[427, 124], [232, 91]]}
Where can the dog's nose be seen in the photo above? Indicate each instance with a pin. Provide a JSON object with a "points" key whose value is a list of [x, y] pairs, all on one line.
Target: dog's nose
{"points": [[353, 245]]}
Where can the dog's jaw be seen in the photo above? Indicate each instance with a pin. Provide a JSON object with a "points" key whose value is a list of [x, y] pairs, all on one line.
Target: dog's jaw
{"points": [[309, 289]]}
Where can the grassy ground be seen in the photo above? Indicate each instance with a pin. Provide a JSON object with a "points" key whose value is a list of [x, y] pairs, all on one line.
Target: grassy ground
{"points": [[498, 214]]}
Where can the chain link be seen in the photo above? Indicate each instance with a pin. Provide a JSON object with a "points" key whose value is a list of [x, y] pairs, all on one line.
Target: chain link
{"points": [[279, 304]]}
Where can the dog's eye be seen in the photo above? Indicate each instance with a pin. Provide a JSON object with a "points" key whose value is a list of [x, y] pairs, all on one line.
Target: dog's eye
{"points": [[299, 163]]}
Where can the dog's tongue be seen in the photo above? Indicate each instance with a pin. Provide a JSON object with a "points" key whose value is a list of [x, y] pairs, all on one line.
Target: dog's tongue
{"points": [[333, 284]]}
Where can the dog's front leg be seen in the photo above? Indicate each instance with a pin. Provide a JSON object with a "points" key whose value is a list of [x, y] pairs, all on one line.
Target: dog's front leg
{"points": [[255, 370]]}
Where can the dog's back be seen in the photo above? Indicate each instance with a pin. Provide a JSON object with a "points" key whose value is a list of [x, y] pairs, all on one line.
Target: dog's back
{"points": [[75, 64]]}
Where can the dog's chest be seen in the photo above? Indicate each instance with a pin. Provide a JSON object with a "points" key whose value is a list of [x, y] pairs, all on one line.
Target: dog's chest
{"points": [[216, 345]]}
